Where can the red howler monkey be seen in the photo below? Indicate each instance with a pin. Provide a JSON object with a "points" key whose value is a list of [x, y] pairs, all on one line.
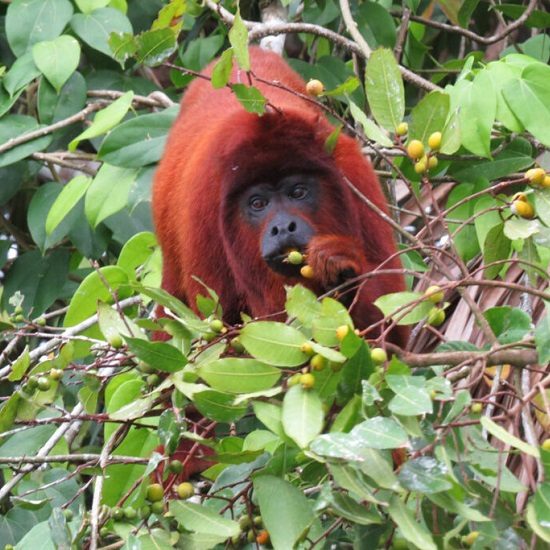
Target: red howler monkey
{"points": [[236, 191]]}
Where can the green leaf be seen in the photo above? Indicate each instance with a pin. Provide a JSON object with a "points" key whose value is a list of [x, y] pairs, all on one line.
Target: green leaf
{"points": [[340, 446], [71, 193], [108, 193], [14, 126], [506, 437], [333, 315], [358, 368], [411, 529], [222, 69], [376, 24], [425, 475], [274, 343], [286, 512], [429, 115], [542, 205], [529, 99], [502, 74], [123, 45], [154, 47], [136, 252], [496, 247], [541, 502], [138, 141], [250, 98], [20, 74], [303, 304], [542, 339], [384, 88], [8, 412], [238, 38], [96, 27], [235, 375], [114, 323], [391, 303], [26, 22], [520, 228], [270, 415], [411, 396], [508, 323], [20, 366], [535, 523], [88, 6], [159, 355], [302, 415], [218, 406], [57, 59], [372, 131], [169, 430], [451, 140], [105, 119], [201, 519], [380, 433]]}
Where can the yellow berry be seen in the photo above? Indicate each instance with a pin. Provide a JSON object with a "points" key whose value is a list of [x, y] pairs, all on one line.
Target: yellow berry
{"points": [[402, 129], [155, 492], [434, 141], [415, 149], [432, 162], [420, 167], [546, 182], [341, 332], [295, 258], [520, 197], [306, 347], [535, 175], [436, 317], [294, 379], [546, 444], [434, 294], [470, 538], [185, 490], [522, 209], [307, 381], [315, 87], [318, 362], [378, 355], [306, 271], [476, 408]]}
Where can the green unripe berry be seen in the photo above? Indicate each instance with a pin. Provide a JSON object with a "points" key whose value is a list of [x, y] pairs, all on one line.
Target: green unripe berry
{"points": [[153, 380], [185, 490], [216, 325], [115, 341], [44, 383], [130, 512], [318, 362], [157, 508], [378, 356], [236, 345], [175, 466], [294, 379], [18, 310], [68, 513], [145, 368], [32, 383], [155, 492], [19, 318], [434, 294], [546, 444], [295, 258], [245, 522], [104, 532], [117, 513], [41, 321], [436, 317]]}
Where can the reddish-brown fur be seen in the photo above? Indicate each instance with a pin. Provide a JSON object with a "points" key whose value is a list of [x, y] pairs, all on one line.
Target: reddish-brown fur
{"points": [[215, 149]]}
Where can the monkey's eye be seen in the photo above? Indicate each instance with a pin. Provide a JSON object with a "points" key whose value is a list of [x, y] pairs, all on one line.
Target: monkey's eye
{"points": [[257, 203], [298, 192]]}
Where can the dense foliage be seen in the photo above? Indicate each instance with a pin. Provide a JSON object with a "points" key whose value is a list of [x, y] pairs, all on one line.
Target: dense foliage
{"points": [[317, 438]]}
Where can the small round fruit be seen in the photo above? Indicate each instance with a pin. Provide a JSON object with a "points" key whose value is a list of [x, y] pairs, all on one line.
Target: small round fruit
{"points": [[378, 355], [306, 271], [306, 347], [19, 318], [315, 87], [434, 294], [520, 197], [32, 383], [216, 325], [56, 374], [145, 511], [402, 129], [470, 538], [250, 536], [115, 341], [436, 317], [155, 492], [546, 182], [294, 380], [41, 321], [546, 444], [295, 258], [535, 175], [420, 167], [44, 383], [18, 310], [522, 209], [153, 379], [145, 368], [185, 490], [157, 508], [415, 149], [258, 521], [434, 141], [307, 381], [117, 513], [68, 513], [130, 512], [432, 163], [318, 362], [476, 408], [236, 345], [341, 332], [175, 466], [245, 522], [262, 537]]}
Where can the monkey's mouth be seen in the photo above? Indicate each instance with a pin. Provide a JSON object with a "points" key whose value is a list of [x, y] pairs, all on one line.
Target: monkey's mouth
{"points": [[279, 263]]}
